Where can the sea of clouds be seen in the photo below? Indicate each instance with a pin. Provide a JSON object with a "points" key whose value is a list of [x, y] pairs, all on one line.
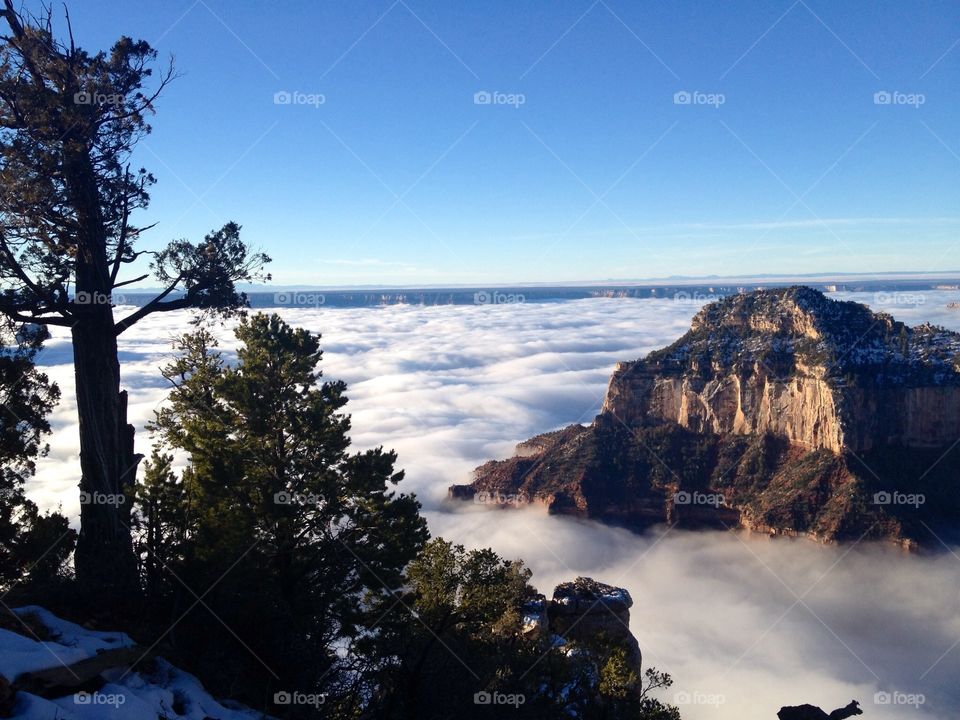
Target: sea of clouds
{"points": [[745, 624]]}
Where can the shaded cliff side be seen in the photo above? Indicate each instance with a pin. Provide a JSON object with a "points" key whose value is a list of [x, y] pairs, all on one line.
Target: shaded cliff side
{"points": [[781, 411]]}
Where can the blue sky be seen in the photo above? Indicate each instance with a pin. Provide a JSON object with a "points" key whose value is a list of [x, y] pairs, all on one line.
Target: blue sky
{"points": [[586, 166]]}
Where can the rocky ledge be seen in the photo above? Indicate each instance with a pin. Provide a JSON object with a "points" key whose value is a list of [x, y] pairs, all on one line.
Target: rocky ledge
{"points": [[781, 411], [585, 613]]}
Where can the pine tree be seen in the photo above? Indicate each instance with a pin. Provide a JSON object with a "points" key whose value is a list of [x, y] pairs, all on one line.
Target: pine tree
{"points": [[69, 123], [161, 524], [302, 538], [34, 546]]}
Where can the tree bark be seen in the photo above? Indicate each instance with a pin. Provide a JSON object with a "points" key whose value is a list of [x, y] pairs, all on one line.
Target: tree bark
{"points": [[104, 558]]}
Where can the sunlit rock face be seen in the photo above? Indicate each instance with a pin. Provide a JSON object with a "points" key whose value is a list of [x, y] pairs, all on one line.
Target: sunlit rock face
{"points": [[801, 409], [795, 364], [780, 411]]}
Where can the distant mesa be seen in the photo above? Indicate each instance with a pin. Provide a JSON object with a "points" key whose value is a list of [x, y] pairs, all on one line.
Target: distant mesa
{"points": [[781, 411]]}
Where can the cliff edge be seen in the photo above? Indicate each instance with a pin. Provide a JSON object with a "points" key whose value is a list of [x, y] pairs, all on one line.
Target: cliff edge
{"points": [[779, 410]]}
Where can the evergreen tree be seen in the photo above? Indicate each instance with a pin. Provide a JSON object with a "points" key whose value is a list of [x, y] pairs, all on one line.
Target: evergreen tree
{"points": [[457, 632], [298, 539], [161, 522], [69, 123], [458, 635], [34, 546], [301, 570]]}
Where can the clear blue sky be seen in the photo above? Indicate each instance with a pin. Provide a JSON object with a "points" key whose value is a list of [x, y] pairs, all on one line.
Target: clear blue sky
{"points": [[398, 177]]}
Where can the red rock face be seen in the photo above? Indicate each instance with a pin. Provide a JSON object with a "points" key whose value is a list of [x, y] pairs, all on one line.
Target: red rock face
{"points": [[780, 411]]}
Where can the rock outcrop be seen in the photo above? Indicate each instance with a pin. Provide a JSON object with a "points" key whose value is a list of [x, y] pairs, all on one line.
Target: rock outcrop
{"points": [[811, 712], [585, 609], [587, 617], [781, 411], [798, 365]]}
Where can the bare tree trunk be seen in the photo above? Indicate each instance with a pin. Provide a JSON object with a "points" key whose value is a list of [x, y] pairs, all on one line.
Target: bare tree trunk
{"points": [[104, 558], [105, 561]]}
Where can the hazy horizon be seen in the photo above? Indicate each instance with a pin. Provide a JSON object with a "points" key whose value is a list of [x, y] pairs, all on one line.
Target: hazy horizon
{"points": [[749, 280]]}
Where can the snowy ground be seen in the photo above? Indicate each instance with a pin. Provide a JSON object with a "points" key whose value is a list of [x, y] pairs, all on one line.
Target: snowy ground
{"points": [[165, 692], [744, 624]]}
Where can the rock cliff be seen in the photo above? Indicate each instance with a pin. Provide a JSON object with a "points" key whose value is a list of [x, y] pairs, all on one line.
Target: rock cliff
{"points": [[587, 617], [585, 609], [782, 411], [796, 364]]}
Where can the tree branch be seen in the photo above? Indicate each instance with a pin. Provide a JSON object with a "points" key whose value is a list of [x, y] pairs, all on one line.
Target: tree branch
{"points": [[155, 305], [121, 236], [128, 282], [37, 320], [41, 293]]}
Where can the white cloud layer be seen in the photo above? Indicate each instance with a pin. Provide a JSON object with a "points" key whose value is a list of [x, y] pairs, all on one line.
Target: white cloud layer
{"points": [[757, 622]]}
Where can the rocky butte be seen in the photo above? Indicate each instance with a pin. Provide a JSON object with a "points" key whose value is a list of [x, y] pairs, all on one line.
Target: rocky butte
{"points": [[781, 411]]}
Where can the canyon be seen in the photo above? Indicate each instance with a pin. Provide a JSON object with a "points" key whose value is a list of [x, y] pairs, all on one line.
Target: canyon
{"points": [[780, 411]]}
